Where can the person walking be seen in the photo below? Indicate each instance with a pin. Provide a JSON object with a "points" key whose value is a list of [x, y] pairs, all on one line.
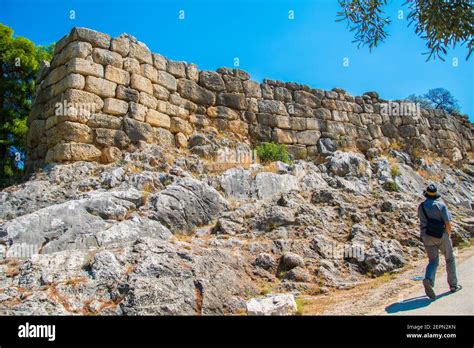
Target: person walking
{"points": [[435, 227]]}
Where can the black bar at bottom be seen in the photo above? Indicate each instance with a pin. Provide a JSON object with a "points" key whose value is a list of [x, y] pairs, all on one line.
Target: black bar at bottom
{"points": [[334, 330]]}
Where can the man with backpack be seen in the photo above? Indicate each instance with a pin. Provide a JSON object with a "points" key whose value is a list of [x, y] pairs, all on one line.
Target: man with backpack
{"points": [[435, 226]]}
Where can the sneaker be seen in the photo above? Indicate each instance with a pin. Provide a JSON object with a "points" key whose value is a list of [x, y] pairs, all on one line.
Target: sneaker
{"points": [[429, 289], [456, 288]]}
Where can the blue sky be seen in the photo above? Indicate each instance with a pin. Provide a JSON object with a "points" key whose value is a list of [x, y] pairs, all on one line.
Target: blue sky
{"points": [[309, 49]]}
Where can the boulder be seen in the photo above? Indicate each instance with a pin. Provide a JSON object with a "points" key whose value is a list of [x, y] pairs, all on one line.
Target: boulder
{"points": [[280, 304]]}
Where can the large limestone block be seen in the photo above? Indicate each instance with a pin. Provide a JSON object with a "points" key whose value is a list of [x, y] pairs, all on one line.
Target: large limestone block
{"points": [[232, 100], [115, 106], [192, 91], [85, 67], [177, 69], [119, 76], [69, 131], [166, 80], [101, 87], [120, 45], [272, 107], [111, 137], [141, 83], [141, 53], [94, 37], [158, 119], [137, 131], [85, 98], [106, 57], [75, 81], [179, 125], [309, 137], [211, 80], [76, 49]]}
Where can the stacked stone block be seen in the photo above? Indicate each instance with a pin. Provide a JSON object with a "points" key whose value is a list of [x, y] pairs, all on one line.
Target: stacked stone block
{"points": [[115, 92]]}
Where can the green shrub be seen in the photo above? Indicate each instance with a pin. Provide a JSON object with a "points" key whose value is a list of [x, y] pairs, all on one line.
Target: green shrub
{"points": [[390, 186], [272, 152], [395, 171]]}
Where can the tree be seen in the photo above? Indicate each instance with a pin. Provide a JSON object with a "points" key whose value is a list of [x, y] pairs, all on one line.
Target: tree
{"points": [[437, 98], [441, 23], [19, 64]]}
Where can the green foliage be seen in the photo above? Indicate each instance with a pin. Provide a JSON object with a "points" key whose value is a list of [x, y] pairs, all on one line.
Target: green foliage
{"points": [[437, 98], [272, 152], [441, 24], [19, 63], [299, 306], [395, 171], [390, 186]]}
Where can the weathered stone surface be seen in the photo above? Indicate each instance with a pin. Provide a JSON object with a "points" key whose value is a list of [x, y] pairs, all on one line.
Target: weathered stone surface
{"points": [[177, 69], [159, 61], [110, 155], [167, 80], [115, 106], [181, 140], [131, 65], [106, 57], [232, 100], [75, 96], [187, 204], [101, 87], [148, 100], [222, 112], [252, 89], [94, 37], [347, 163], [192, 91], [137, 111], [127, 94], [192, 72], [160, 92], [85, 67], [104, 121], [272, 107], [141, 53], [211, 80], [69, 131], [308, 99], [280, 304], [157, 119], [111, 137], [120, 45], [309, 137], [233, 84], [76, 49], [179, 125], [141, 83], [137, 131], [74, 81], [150, 72], [117, 75]]}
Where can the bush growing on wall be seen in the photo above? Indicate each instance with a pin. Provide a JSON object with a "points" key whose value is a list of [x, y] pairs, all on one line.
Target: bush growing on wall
{"points": [[272, 152]]}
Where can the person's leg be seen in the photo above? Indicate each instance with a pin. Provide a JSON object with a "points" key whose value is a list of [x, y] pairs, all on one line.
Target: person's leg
{"points": [[446, 248], [433, 257], [431, 247]]}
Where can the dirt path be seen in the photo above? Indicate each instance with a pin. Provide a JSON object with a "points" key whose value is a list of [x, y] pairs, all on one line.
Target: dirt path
{"points": [[401, 294]]}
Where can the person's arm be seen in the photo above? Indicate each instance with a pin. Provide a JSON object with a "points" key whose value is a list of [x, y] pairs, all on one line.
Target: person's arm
{"points": [[446, 218], [448, 227]]}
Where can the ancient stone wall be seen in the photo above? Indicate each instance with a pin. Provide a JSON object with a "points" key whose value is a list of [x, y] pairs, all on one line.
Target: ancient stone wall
{"points": [[101, 95]]}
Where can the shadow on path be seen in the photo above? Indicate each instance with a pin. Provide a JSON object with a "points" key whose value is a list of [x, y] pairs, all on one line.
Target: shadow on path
{"points": [[413, 303]]}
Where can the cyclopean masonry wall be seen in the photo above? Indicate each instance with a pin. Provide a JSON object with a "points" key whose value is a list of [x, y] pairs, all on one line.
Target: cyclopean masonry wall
{"points": [[101, 95]]}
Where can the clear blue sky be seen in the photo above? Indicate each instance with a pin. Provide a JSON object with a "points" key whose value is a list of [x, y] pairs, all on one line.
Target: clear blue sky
{"points": [[309, 49]]}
